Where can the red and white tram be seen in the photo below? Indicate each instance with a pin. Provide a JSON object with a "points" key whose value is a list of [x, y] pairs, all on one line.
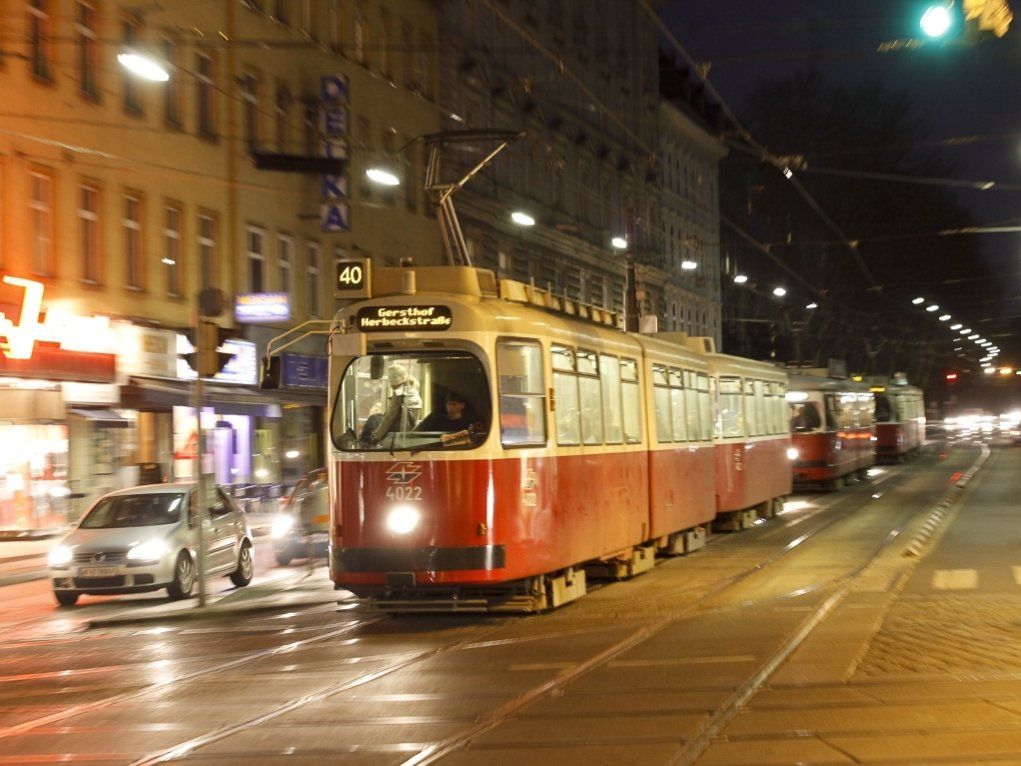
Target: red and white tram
{"points": [[832, 428], [900, 420], [490, 443]]}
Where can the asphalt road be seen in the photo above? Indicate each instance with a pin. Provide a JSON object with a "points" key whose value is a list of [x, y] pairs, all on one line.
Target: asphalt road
{"points": [[879, 624]]}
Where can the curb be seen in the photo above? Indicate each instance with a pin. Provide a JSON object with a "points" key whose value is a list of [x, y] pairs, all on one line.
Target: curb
{"points": [[192, 611]]}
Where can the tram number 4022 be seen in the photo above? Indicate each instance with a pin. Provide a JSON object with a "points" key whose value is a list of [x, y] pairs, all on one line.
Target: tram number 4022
{"points": [[403, 493]]}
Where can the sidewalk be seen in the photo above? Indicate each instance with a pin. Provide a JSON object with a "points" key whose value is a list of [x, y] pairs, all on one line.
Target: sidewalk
{"points": [[294, 588], [24, 560]]}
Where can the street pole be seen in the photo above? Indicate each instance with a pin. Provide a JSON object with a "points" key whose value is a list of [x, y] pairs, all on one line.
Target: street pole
{"points": [[630, 278], [200, 450]]}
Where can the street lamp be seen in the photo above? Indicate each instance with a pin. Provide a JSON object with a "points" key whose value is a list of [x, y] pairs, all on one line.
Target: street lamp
{"points": [[382, 176], [932, 307], [143, 66], [522, 218], [918, 301], [779, 292], [618, 243], [812, 305], [688, 265], [740, 279], [936, 21]]}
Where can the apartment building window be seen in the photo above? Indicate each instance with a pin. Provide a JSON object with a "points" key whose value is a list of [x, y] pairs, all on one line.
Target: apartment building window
{"points": [[206, 241], [205, 95], [280, 11], [40, 39], [132, 92], [132, 227], [88, 232], [256, 248], [312, 277], [87, 44], [285, 258], [361, 35], [383, 46], [172, 248], [40, 208], [284, 101], [172, 88], [408, 53], [250, 97]]}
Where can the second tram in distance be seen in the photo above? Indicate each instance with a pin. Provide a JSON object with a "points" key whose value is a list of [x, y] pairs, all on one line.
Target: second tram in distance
{"points": [[832, 429], [492, 445]]}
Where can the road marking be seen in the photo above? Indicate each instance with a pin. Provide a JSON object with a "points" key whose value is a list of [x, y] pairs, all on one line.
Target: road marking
{"points": [[955, 579], [1017, 574], [681, 661]]}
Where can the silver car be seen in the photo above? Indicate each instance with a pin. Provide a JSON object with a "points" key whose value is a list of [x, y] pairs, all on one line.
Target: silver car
{"points": [[146, 538]]}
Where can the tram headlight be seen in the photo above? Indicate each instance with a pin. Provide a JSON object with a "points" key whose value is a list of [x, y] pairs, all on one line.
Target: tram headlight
{"points": [[792, 453], [281, 526], [402, 519]]}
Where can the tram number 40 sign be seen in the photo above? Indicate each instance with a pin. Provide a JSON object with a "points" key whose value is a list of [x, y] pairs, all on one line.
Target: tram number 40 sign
{"points": [[353, 279]]}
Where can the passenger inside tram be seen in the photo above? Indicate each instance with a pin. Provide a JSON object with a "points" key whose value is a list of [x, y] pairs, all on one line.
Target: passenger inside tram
{"points": [[456, 415], [806, 417]]}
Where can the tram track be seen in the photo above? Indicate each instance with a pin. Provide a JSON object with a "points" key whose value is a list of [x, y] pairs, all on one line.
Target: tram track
{"points": [[395, 663]]}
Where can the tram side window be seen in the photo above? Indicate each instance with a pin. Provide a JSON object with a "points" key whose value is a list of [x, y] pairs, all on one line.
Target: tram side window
{"points": [[661, 402], [522, 394], [778, 407], [730, 407], [609, 376], [591, 398], [631, 399], [680, 428], [867, 405], [565, 388], [691, 405], [705, 410]]}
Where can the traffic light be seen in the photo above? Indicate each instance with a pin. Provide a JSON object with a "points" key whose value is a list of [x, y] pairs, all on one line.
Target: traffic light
{"points": [[208, 356]]}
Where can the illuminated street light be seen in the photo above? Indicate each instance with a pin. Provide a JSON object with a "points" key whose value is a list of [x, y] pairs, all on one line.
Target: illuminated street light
{"points": [[689, 265], [966, 331], [918, 300], [932, 307], [740, 279], [143, 66], [812, 305], [779, 292], [944, 317], [522, 219], [989, 370], [618, 243], [957, 326], [382, 176], [1006, 370], [973, 336]]}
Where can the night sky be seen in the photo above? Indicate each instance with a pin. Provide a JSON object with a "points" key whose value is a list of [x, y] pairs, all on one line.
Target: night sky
{"points": [[959, 90]]}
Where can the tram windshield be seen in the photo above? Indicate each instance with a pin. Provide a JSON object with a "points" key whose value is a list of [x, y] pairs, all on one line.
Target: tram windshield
{"points": [[804, 417], [412, 401], [884, 412]]}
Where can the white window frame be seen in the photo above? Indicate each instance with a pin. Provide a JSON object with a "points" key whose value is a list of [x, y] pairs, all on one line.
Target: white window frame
{"points": [[40, 205], [132, 231], [313, 259], [172, 249], [206, 247], [255, 258], [285, 261], [88, 233]]}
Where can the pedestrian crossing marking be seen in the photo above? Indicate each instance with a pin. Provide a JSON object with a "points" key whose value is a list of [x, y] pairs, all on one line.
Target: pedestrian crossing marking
{"points": [[956, 579]]}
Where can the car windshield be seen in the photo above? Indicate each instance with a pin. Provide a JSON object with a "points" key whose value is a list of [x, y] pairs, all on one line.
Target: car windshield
{"points": [[426, 400], [143, 510]]}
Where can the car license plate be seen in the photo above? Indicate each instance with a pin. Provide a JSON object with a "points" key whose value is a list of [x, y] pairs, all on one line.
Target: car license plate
{"points": [[97, 571]]}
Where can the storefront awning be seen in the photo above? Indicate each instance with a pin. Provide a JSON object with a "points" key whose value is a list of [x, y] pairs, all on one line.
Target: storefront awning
{"points": [[101, 417], [153, 395]]}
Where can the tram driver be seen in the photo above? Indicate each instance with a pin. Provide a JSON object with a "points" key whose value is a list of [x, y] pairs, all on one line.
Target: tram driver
{"points": [[456, 415], [806, 418]]}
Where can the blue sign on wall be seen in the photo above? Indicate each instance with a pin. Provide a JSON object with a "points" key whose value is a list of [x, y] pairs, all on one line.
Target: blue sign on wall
{"points": [[302, 371]]}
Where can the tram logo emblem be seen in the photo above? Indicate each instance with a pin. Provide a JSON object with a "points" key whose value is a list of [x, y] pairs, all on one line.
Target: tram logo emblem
{"points": [[403, 472]]}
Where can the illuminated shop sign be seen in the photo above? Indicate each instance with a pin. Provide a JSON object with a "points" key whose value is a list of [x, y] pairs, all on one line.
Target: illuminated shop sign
{"points": [[70, 332], [243, 368], [391, 318], [262, 307]]}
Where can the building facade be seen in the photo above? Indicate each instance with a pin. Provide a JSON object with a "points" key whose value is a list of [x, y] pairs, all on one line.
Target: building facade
{"points": [[121, 198]]}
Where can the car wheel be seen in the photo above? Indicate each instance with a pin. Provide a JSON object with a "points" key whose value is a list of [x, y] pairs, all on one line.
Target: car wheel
{"points": [[184, 578], [246, 567], [283, 558], [66, 597]]}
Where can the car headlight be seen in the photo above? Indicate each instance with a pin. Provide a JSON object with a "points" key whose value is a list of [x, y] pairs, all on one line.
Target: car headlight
{"points": [[282, 525], [402, 519], [150, 550], [792, 453], [60, 556]]}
